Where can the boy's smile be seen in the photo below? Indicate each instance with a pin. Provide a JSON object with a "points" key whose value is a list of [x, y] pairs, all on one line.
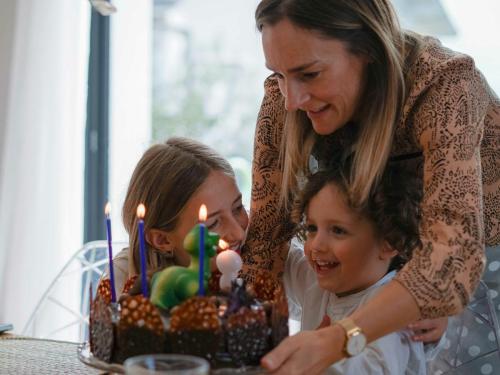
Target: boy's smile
{"points": [[324, 267]]}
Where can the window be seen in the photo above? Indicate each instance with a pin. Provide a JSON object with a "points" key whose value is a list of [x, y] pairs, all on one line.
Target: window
{"points": [[465, 26], [196, 68], [208, 74], [183, 68]]}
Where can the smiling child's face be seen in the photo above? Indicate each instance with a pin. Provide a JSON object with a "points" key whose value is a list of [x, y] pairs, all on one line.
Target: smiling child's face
{"points": [[341, 246], [226, 215]]}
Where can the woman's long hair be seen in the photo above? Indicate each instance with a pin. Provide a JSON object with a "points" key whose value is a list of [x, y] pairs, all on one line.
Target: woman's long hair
{"points": [[164, 180], [368, 28]]}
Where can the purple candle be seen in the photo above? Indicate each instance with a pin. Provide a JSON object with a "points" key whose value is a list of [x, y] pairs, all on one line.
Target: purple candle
{"points": [[107, 210], [141, 212], [201, 273]]}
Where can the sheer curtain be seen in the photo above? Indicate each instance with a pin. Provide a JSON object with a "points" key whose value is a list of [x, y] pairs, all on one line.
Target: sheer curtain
{"points": [[43, 69], [130, 98]]}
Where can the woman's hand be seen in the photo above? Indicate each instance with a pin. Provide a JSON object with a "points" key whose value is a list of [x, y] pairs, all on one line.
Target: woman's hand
{"points": [[429, 330], [308, 352]]}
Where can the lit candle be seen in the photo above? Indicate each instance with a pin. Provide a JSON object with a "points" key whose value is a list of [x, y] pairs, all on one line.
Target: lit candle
{"points": [[201, 273], [107, 210], [141, 212], [229, 264]]}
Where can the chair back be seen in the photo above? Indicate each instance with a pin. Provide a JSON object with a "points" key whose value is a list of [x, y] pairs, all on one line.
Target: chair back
{"points": [[471, 344], [62, 313]]}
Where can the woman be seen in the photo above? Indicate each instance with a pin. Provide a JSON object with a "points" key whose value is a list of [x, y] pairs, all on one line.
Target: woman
{"points": [[348, 79]]}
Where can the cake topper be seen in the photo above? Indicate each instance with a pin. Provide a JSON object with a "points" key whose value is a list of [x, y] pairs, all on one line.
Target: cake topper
{"points": [[176, 284], [229, 264]]}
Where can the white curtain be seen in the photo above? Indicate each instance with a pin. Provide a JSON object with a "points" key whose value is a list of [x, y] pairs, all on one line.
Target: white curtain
{"points": [[130, 96], [43, 86]]}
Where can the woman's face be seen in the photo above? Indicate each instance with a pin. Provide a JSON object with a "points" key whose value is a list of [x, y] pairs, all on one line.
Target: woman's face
{"points": [[226, 215], [317, 75], [342, 246]]}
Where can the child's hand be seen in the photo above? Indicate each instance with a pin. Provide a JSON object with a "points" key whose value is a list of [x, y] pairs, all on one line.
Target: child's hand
{"points": [[428, 330]]}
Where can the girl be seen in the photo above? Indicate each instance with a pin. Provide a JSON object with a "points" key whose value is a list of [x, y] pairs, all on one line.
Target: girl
{"points": [[173, 180], [349, 253]]}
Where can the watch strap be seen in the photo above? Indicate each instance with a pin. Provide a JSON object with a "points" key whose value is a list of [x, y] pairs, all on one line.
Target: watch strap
{"points": [[349, 326], [351, 330]]}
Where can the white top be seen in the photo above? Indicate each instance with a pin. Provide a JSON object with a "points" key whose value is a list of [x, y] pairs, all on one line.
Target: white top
{"points": [[394, 354], [120, 268]]}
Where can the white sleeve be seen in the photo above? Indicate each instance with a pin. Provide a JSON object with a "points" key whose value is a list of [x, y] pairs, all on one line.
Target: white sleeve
{"points": [[388, 355], [295, 278], [120, 268]]}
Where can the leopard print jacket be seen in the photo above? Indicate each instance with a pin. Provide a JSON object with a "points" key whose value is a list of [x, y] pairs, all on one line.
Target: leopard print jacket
{"points": [[451, 118]]}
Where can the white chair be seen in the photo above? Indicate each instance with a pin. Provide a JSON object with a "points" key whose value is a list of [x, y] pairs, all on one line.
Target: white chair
{"points": [[472, 340], [62, 311]]}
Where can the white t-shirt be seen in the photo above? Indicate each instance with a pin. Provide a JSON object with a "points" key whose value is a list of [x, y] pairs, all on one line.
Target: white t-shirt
{"points": [[394, 354], [120, 268]]}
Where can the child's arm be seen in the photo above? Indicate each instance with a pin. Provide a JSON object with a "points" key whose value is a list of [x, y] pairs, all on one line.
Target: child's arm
{"points": [[298, 276]]}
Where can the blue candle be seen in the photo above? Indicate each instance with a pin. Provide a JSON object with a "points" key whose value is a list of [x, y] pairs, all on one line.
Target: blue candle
{"points": [[107, 210], [201, 272], [141, 211]]}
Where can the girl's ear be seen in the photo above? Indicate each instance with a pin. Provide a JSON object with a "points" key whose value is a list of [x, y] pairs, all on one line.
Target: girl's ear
{"points": [[387, 252], [159, 239]]}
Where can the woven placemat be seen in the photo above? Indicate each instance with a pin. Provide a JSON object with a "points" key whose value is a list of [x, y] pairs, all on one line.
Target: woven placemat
{"points": [[22, 355]]}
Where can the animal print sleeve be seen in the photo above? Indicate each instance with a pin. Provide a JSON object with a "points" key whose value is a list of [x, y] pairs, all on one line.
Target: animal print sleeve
{"points": [[269, 229], [448, 124]]}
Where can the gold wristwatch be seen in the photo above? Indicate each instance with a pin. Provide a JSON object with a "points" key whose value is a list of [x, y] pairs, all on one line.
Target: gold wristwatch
{"points": [[355, 341]]}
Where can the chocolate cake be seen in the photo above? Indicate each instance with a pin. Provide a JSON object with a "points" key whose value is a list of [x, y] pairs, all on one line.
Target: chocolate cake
{"points": [[230, 330]]}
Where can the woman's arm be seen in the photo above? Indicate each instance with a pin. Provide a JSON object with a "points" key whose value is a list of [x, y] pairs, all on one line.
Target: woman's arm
{"points": [[312, 352], [269, 229], [449, 124]]}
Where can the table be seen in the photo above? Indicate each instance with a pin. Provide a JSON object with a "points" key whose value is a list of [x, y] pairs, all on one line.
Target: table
{"points": [[25, 355]]}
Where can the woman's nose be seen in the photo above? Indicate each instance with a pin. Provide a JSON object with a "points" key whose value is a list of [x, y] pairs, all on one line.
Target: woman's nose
{"points": [[295, 96]]}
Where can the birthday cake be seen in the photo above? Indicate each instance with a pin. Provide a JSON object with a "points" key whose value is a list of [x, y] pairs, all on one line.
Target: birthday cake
{"points": [[232, 324]]}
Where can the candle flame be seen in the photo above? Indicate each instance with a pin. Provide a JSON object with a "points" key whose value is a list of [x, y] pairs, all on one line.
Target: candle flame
{"points": [[223, 245], [141, 211], [203, 213], [107, 209]]}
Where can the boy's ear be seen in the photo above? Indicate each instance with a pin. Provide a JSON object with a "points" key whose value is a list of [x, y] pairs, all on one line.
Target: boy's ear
{"points": [[387, 252], [159, 239]]}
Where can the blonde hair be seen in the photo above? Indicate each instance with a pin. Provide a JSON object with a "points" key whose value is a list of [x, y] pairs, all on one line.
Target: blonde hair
{"points": [[164, 180], [368, 28]]}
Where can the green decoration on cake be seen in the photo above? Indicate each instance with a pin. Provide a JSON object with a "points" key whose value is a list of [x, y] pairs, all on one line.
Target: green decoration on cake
{"points": [[175, 284]]}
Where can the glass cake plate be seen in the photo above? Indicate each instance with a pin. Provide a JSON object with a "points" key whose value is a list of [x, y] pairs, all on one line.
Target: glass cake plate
{"points": [[86, 356]]}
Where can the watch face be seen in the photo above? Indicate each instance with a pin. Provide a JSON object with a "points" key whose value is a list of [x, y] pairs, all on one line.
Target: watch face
{"points": [[355, 344]]}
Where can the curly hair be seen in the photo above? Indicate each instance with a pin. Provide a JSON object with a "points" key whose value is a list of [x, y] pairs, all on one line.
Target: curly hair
{"points": [[392, 205]]}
